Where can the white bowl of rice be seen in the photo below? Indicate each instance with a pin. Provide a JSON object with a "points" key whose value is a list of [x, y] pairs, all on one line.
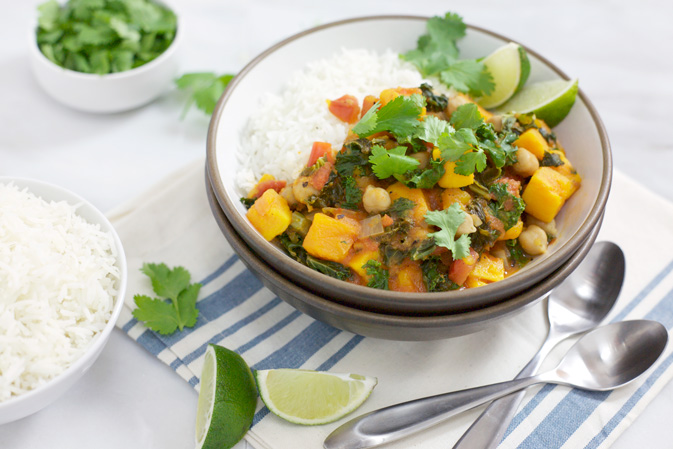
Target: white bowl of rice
{"points": [[63, 275]]}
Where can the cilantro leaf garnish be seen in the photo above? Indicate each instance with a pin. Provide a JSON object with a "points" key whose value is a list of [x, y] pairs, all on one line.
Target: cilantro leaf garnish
{"points": [[468, 76], [437, 49], [448, 220], [432, 128], [166, 317], [205, 88], [399, 117], [467, 116], [436, 53], [386, 163]]}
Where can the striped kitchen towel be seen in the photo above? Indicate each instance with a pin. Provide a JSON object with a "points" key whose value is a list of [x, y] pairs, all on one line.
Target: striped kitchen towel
{"points": [[172, 223]]}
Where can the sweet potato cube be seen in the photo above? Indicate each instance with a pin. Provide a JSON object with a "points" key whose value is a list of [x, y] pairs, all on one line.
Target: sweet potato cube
{"points": [[331, 238], [453, 195], [360, 258], [546, 193], [567, 169], [488, 269], [270, 214], [513, 232], [408, 278], [533, 141], [399, 190]]}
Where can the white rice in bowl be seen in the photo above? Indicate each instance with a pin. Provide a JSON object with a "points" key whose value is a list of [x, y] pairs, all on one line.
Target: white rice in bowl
{"points": [[58, 278], [278, 137]]}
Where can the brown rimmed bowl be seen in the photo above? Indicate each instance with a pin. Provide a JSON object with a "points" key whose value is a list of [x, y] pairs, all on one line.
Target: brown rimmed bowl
{"points": [[389, 326], [582, 134]]}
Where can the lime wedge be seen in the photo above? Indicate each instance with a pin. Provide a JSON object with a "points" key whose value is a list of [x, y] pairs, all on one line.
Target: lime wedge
{"points": [[312, 397], [550, 101], [227, 399], [510, 67]]}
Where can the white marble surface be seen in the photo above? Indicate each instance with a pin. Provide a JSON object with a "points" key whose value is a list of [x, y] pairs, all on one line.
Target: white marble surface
{"points": [[620, 51]]}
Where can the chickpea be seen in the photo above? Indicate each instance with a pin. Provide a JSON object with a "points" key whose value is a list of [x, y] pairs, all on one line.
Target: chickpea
{"points": [[423, 157], [549, 228], [455, 102], [533, 240], [303, 190], [288, 194], [467, 226], [376, 199], [496, 121], [526, 163]]}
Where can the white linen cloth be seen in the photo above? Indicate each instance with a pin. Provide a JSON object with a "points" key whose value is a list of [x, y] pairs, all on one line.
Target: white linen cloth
{"points": [[172, 223]]}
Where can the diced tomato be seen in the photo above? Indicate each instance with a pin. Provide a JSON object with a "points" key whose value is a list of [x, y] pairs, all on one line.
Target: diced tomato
{"points": [[461, 268], [263, 186], [319, 150], [386, 221], [321, 176], [513, 185], [367, 103], [345, 108]]}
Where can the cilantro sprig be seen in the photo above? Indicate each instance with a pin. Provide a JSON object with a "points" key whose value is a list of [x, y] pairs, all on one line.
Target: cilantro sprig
{"points": [[393, 162], [448, 221], [437, 54], [99, 36], [400, 117], [162, 316], [205, 89]]}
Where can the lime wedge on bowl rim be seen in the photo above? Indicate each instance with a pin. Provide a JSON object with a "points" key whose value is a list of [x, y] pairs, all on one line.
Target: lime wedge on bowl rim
{"points": [[312, 397], [510, 67], [550, 101], [227, 399]]}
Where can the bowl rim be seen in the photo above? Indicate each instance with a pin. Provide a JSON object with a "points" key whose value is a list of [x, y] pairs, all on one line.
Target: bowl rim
{"points": [[55, 68], [78, 367], [368, 318], [455, 300]]}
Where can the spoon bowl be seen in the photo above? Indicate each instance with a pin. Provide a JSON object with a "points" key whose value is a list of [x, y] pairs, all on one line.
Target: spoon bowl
{"points": [[606, 358], [578, 304]]}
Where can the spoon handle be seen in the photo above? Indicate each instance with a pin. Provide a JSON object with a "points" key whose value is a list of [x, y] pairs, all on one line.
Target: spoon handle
{"points": [[490, 427], [397, 421]]}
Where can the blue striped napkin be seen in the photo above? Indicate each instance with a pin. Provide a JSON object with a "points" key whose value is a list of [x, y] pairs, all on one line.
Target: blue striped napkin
{"points": [[172, 223]]}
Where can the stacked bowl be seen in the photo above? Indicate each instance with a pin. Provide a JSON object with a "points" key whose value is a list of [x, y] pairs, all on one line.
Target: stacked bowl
{"points": [[380, 313]]}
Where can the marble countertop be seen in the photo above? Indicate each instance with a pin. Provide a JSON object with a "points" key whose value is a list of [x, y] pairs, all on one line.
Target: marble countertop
{"points": [[619, 50]]}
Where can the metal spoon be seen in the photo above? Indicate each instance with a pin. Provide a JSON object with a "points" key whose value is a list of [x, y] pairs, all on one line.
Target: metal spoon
{"points": [[578, 304], [607, 357]]}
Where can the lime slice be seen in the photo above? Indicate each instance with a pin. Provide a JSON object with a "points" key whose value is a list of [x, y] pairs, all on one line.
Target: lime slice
{"points": [[227, 399], [510, 68], [312, 397], [550, 101]]}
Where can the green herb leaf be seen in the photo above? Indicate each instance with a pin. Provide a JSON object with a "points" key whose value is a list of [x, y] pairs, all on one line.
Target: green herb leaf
{"points": [[378, 276], [174, 284], [507, 207], [158, 315], [400, 117], [352, 193], [392, 162], [448, 220], [469, 76], [205, 88], [467, 116], [432, 128], [95, 36], [437, 49]]}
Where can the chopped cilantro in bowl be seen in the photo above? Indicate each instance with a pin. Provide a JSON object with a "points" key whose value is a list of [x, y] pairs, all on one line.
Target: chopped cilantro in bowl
{"points": [[104, 36]]}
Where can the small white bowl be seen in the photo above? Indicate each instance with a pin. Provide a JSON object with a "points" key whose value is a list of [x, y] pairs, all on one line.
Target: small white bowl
{"points": [[114, 92], [32, 401]]}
